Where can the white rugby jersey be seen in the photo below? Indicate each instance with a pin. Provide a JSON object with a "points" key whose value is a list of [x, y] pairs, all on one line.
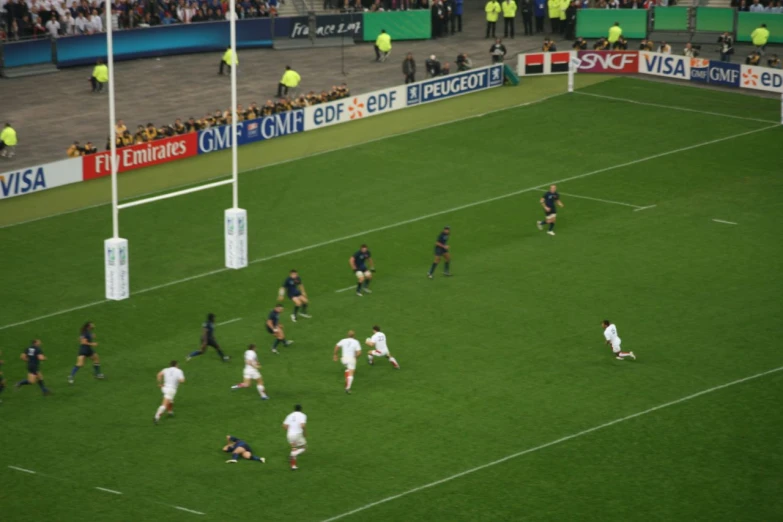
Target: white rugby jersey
{"points": [[610, 333], [379, 338], [350, 347], [172, 377], [251, 357], [295, 422]]}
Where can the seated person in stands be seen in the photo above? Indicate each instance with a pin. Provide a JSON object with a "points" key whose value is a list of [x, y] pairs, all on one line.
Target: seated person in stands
{"points": [[220, 117], [445, 70], [207, 121], [283, 105], [252, 112], [753, 58], [151, 132], [621, 44], [89, 148], [463, 62], [580, 44], [647, 45], [240, 113], [343, 91], [549, 46], [312, 98], [192, 125], [432, 65], [602, 44], [127, 139], [75, 150], [120, 128], [179, 128], [141, 135], [268, 109], [774, 62], [165, 131], [690, 51], [665, 48]]}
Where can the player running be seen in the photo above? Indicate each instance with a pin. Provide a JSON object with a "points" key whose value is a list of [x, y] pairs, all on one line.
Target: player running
{"points": [[208, 339], [294, 425], [86, 345], [550, 201], [251, 372], [295, 290], [33, 356], [239, 448], [359, 262], [169, 380], [610, 334], [379, 348], [351, 349], [274, 327], [442, 250]]}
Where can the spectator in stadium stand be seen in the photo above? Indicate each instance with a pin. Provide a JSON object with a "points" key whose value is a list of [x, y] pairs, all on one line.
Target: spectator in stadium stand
{"points": [[8, 141], [509, 8], [75, 150], [580, 44], [383, 46], [647, 45], [409, 68], [120, 128], [445, 69], [756, 7], [96, 24], [760, 36], [615, 32], [539, 11], [774, 62], [140, 136], [229, 58], [726, 47], [497, 51], [570, 20], [290, 80], [463, 62], [53, 27], [743, 6], [492, 9], [754, 58], [433, 66], [690, 51], [665, 48], [89, 148], [549, 46], [621, 44], [100, 76], [456, 19], [179, 128], [553, 9]]}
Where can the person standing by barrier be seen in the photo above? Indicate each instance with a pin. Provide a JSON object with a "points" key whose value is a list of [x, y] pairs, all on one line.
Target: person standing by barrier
{"points": [[570, 30], [229, 60], [8, 141], [457, 16], [383, 46], [526, 6], [615, 32], [563, 7], [290, 80], [539, 11], [509, 8], [409, 68], [553, 7], [726, 47], [100, 76], [760, 36], [498, 51], [493, 10]]}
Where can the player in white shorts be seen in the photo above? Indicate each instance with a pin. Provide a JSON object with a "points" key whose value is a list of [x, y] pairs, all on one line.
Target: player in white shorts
{"points": [[351, 349], [379, 347], [294, 425], [252, 373], [169, 380], [613, 340]]}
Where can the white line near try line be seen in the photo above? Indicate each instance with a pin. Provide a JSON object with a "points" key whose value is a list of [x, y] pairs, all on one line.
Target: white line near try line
{"points": [[109, 491], [229, 321], [353, 287], [188, 510], [23, 470], [552, 443], [725, 222], [636, 207], [408, 221]]}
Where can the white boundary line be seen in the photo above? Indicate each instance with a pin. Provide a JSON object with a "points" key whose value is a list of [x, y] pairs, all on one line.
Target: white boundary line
{"points": [[674, 107], [229, 321], [409, 221], [109, 491], [196, 184], [552, 443], [188, 510], [23, 470], [345, 289], [637, 207], [725, 222], [645, 208]]}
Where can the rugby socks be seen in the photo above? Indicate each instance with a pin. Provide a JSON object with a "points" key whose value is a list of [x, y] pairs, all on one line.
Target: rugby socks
{"points": [[367, 282], [42, 386], [97, 369], [221, 354], [551, 226], [238, 386], [261, 389], [195, 353], [369, 358], [542, 223], [254, 457], [274, 346], [160, 411], [348, 381], [394, 362], [446, 266], [304, 308], [358, 288], [433, 267], [22, 383], [235, 456], [74, 370], [296, 311]]}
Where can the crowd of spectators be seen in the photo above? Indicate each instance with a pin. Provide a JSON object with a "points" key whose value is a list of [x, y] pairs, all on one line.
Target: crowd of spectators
{"points": [[151, 132], [759, 6], [22, 19]]}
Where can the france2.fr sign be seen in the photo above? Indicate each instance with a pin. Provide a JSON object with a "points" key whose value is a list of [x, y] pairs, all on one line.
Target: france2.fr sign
{"points": [[614, 62]]}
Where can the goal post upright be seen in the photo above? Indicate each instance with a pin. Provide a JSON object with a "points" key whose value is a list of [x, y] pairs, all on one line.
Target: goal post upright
{"points": [[115, 249], [235, 218]]}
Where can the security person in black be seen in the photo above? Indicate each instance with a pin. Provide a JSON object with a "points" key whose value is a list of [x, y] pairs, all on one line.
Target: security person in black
{"points": [[570, 15], [526, 6]]}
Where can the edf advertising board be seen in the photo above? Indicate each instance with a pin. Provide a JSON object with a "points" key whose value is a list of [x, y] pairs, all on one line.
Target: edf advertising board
{"points": [[283, 124], [454, 85], [354, 108]]}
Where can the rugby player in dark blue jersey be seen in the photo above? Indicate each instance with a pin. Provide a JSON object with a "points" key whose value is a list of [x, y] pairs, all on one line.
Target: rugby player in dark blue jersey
{"points": [[295, 290], [550, 201], [274, 327], [33, 356], [359, 263], [442, 250], [86, 349], [208, 339], [239, 448]]}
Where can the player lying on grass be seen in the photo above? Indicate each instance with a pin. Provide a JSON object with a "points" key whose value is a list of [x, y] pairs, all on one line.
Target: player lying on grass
{"points": [[239, 448], [252, 373], [613, 341], [295, 290], [379, 348]]}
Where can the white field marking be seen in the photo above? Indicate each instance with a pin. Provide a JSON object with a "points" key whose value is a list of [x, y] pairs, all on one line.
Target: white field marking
{"points": [[229, 322], [109, 491], [188, 510], [674, 108], [290, 160], [645, 208], [409, 221], [23, 470], [345, 289], [553, 443], [725, 222], [637, 207], [170, 195]]}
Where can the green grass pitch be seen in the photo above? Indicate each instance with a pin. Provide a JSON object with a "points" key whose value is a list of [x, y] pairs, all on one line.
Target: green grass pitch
{"points": [[506, 358]]}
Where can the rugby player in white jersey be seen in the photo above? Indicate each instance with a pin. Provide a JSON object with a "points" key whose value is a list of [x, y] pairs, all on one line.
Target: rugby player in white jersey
{"points": [[351, 349], [252, 373], [169, 380], [294, 425], [614, 341], [379, 347]]}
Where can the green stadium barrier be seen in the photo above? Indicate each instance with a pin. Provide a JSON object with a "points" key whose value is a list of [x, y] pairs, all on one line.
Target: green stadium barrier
{"points": [[401, 25], [594, 23], [747, 22], [715, 19], [510, 75], [671, 19]]}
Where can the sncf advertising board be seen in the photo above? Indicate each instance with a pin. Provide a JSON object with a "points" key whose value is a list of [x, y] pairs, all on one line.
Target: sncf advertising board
{"points": [[613, 62], [454, 85], [40, 177], [142, 155], [354, 108]]}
